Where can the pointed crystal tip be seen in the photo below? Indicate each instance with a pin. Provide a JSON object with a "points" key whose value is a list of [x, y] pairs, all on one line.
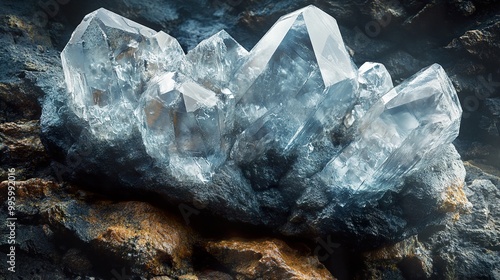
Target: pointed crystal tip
{"points": [[296, 99]]}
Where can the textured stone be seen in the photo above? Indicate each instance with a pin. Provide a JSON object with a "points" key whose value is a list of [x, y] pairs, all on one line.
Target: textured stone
{"points": [[400, 255], [150, 241], [266, 259], [134, 235], [21, 148], [77, 261], [469, 248], [481, 43]]}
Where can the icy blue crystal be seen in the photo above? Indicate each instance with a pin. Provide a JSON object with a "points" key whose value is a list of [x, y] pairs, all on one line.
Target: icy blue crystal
{"points": [[398, 132], [180, 126], [219, 104], [297, 80], [374, 81], [213, 62], [107, 63]]}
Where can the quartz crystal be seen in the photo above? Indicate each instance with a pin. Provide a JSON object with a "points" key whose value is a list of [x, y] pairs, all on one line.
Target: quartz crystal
{"points": [[180, 125], [297, 79], [186, 117], [374, 81], [404, 126], [107, 63], [259, 110]]}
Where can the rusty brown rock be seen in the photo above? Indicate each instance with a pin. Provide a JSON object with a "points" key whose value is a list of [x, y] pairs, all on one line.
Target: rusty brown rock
{"points": [[266, 259], [142, 234], [455, 200], [21, 143], [188, 277], [213, 275], [147, 239], [481, 43], [409, 254], [24, 28], [161, 278], [29, 191]]}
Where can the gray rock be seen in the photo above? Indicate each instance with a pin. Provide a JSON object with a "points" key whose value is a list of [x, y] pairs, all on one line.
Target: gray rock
{"points": [[470, 247], [490, 120]]}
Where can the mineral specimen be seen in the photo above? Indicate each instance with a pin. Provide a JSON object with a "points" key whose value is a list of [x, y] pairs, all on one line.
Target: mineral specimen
{"points": [[403, 127], [297, 80], [107, 63], [220, 105]]}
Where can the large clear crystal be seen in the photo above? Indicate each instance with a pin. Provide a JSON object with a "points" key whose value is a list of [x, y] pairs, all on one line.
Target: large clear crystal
{"points": [[401, 129], [107, 63], [295, 99], [298, 79], [180, 126]]}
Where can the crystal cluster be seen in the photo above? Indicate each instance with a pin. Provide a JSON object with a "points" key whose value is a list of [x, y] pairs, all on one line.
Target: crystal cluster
{"points": [[220, 103]]}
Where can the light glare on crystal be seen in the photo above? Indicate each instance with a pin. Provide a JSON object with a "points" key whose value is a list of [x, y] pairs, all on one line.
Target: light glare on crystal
{"points": [[408, 123], [107, 63], [220, 102]]}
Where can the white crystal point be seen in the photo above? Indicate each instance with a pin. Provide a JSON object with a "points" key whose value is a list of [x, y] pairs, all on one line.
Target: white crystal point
{"points": [[180, 126], [398, 133], [300, 46], [213, 62], [374, 81], [107, 63], [298, 78]]}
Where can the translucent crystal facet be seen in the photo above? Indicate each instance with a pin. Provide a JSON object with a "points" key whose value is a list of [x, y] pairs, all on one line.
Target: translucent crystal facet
{"points": [[295, 98], [374, 81], [180, 126], [297, 78], [408, 123], [107, 63], [213, 62]]}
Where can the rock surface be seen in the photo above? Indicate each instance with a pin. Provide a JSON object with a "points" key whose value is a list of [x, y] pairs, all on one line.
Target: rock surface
{"points": [[136, 234], [104, 235], [266, 259], [466, 248]]}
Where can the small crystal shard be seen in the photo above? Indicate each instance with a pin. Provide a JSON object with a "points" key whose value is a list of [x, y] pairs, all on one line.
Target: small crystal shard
{"points": [[374, 81], [213, 61], [295, 99]]}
